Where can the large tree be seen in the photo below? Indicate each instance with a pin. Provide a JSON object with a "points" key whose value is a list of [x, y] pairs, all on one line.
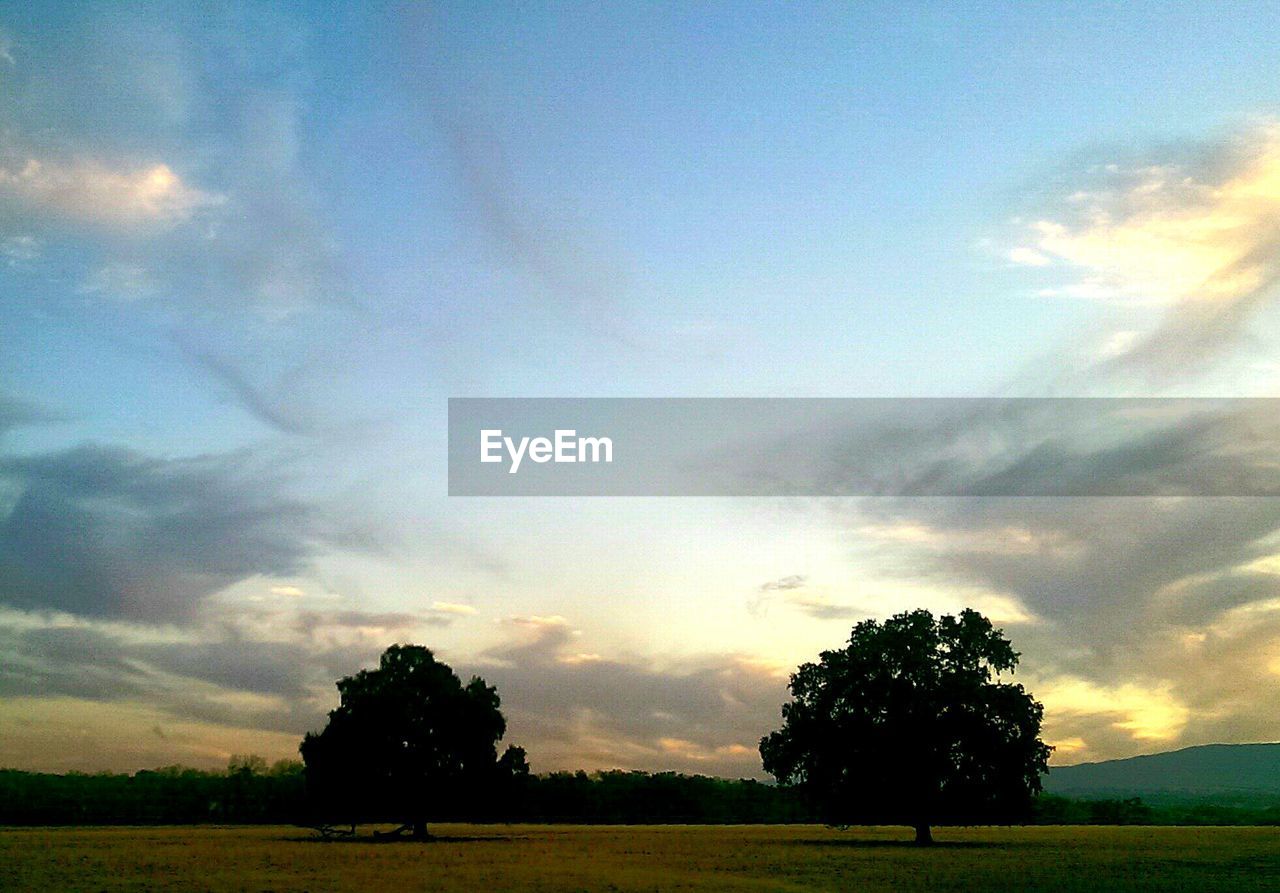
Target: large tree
{"points": [[406, 738], [910, 723]]}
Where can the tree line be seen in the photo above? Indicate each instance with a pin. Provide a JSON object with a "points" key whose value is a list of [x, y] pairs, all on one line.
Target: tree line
{"points": [[250, 791]]}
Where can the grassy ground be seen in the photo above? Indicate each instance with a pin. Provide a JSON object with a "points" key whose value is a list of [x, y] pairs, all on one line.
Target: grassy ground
{"points": [[690, 858]]}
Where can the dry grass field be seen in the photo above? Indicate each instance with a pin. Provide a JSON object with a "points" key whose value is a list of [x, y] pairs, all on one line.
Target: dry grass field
{"points": [[688, 858]]}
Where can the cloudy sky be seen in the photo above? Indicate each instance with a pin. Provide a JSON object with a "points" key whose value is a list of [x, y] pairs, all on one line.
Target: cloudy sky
{"points": [[248, 252]]}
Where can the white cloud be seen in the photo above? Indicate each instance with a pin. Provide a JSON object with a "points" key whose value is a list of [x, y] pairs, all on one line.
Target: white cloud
{"points": [[91, 191], [1119, 343], [1164, 234], [452, 608], [539, 623], [1199, 241]]}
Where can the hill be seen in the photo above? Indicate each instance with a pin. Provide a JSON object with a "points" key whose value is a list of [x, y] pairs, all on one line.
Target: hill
{"points": [[1211, 770]]}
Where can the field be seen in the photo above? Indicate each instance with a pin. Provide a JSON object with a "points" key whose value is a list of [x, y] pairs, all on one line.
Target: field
{"points": [[672, 857]]}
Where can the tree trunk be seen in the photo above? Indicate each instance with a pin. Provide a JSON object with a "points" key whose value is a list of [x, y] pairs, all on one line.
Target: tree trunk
{"points": [[924, 836], [420, 830]]}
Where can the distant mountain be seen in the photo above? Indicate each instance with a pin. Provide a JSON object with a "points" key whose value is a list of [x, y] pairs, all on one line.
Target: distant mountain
{"points": [[1211, 770]]}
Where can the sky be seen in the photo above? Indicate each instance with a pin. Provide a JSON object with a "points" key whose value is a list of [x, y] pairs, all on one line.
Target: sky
{"points": [[247, 252]]}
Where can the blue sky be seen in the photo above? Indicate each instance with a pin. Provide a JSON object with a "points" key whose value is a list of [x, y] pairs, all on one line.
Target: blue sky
{"points": [[248, 251]]}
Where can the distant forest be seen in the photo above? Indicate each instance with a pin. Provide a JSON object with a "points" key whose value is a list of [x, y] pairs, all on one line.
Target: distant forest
{"points": [[250, 791]]}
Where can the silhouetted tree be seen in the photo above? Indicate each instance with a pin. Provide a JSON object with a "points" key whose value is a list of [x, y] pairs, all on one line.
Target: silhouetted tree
{"points": [[406, 738], [514, 763], [907, 725]]}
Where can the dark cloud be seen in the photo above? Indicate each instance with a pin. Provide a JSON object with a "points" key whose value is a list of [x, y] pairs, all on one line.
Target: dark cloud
{"points": [[269, 668], [65, 661], [573, 710], [109, 532], [1079, 560], [279, 410], [16, 413], [289, 682], [1024, 447], [569, 710]]}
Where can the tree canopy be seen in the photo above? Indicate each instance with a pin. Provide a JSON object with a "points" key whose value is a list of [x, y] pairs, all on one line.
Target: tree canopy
{"points": [[407, 737], [910, 723]]}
